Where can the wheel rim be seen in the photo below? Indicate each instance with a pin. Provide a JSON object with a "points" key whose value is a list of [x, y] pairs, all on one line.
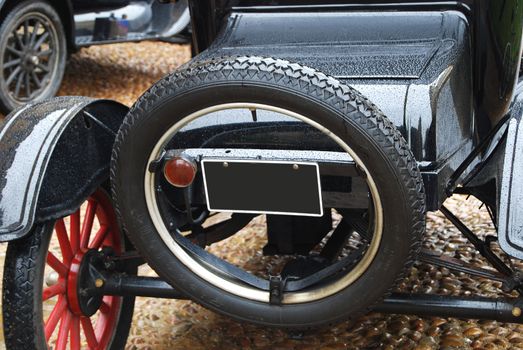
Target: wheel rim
{"points": [[29, 59], [200, 269], [89, 229]]}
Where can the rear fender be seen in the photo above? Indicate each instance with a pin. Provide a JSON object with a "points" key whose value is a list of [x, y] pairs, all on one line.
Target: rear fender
{"points": [[54, 154], [510, 218]]}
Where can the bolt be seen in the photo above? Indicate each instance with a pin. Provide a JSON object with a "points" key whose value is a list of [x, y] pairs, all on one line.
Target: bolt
{"points": [[225, 164], [34, 60], [51, 279], [516, 312], [99, 283], [109, 265], [295, 166]]}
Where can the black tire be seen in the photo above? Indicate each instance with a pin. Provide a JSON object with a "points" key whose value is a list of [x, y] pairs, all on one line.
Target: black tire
{"points": [[50, 81], [22, 294], [304, 91]]}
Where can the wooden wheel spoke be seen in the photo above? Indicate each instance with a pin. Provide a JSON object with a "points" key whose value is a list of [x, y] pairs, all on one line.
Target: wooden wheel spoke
{"points": [[63, 240], [18, 41], [99, 237], [34, 33], [57, 265], [14, 51], [102, 321], [35, 78], [87, 227], [19, 84], [75, 334], [52, 291], [13, 75], [12, 63], [75, 231], [63, 331], [43, 68], [54, 317], [44, 53], [41, 40], [90, 336], [104, 316], [27, 84], [26, 33], [105, 308]]}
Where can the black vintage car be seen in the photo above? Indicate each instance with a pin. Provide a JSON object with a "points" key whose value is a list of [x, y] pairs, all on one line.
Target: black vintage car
{"points": [[36, 37], [337, 125]]}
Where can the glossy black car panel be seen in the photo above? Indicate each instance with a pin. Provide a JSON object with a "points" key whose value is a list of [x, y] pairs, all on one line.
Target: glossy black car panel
{"points": [[60, 149], [416, 66], [443, 72], [495, 28]]}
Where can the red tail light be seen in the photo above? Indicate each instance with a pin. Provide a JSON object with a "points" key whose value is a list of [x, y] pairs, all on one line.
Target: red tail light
{"points": [[180, 172]]}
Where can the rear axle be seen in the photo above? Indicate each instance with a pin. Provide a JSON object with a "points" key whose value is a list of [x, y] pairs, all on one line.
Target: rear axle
{"points": [[499, 309]]}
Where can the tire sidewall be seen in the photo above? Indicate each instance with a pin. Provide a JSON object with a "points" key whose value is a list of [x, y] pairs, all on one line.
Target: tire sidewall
{"points": [[372, 147], [6, 104]]}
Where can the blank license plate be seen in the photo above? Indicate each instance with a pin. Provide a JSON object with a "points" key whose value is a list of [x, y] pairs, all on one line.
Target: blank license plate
{"points": [[263, 187]]}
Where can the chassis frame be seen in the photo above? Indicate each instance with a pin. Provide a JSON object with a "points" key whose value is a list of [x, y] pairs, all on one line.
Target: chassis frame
{"points": [[104, 277]]}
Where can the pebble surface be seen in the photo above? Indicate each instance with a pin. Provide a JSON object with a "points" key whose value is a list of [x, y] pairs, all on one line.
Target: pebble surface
{"points": [[123, 72]]}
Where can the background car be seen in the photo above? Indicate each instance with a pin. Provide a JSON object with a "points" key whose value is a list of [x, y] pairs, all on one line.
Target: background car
{"points": [[36, 37]]}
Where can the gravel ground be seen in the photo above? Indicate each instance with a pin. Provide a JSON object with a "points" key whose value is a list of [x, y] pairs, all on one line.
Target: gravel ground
{"points": [[123, 72]]}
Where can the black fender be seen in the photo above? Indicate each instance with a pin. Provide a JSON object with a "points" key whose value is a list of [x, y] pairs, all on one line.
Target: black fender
{"points": [[496, 178], [510, 208], [53, 155]]}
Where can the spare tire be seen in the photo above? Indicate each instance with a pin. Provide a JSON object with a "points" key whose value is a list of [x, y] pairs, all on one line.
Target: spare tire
{"points": [[341, 113]]}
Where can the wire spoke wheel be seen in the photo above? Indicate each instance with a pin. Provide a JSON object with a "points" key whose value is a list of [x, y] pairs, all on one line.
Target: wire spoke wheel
{"points": [[64, 316]]}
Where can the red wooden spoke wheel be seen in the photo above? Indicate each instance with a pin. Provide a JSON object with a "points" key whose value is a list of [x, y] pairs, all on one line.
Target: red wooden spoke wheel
{"points": [[74, 244], [65, 317]]}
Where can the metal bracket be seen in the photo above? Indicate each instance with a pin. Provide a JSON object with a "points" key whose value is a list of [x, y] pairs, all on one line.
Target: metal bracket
{"points": [[112, 282], [155, 164], [460, 266], [503, 310], [510, 278], [276, 287]]}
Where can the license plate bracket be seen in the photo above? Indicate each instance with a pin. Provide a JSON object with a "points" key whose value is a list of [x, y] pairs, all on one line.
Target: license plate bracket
{"points": [[262, 187]]}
